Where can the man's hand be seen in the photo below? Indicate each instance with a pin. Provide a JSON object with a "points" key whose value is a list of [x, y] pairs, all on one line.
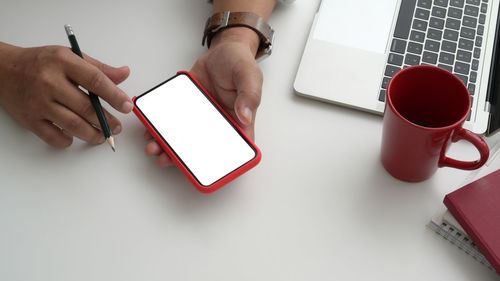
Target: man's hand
{"points": [[229, 72], [39, 89]]}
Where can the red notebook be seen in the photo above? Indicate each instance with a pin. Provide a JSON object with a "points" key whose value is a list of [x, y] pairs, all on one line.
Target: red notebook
{"points": [[476, 207]]}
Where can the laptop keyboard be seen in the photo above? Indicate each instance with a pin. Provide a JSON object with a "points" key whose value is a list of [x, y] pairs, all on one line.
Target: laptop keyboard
{"points": [[444, 33]]}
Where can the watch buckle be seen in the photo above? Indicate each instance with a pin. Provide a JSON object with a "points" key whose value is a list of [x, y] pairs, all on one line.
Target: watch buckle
{"points": [[224, 22]]}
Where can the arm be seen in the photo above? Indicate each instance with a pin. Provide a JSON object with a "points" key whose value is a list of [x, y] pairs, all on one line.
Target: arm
{"points": [[228, 70]]}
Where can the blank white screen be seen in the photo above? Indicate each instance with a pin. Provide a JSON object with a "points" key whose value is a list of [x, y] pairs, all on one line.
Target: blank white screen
{"points": [[195, 130]]}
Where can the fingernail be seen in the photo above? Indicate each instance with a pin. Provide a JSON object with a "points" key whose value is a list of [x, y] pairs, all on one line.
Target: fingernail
{"points": [[127, 107], [245, 116], [117, 129], [101, 139]]}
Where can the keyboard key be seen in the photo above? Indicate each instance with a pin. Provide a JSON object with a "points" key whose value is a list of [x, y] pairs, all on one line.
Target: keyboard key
{"points": [[457, 3], [434, 34], [471, 88], [479, 41], [474, 2], [422, 14], [469, 21], [424, 3], [465, 44], [398, 46], [448, 46], [415, 48], [381, 96], [405, 16], [446, 58], [484, 8], [453, 23], [439, 12], [442, 3], [429, 57], [463, 78], [477, 53], [385, 82], [395, 59], [468, 33], [446, 67], [462, 68], [454, 13], [432, 45], [417, 36], [436, 23], [475, 64], [464, 56], [451, 35], [412, 59], [390, 70], [471, 10], [480, 29], [473, 76], [482, 18], [419, 25]]}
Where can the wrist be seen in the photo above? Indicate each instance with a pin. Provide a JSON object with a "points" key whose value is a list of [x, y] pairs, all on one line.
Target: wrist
{"points": [[8, 67], [242, 35]]}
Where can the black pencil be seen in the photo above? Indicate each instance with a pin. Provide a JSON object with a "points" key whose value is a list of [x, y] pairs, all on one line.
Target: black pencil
{"points": [[93, 97]]}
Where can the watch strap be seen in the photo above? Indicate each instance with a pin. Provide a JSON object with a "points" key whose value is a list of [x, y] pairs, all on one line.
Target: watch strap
{"points": [[226, 19]]}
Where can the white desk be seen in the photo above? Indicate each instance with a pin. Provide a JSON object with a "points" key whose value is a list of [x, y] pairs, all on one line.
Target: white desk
{"points": [[318, 207]]}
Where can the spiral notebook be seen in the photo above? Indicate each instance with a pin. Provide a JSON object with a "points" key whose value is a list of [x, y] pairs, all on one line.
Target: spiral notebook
{"points": [[444, 224]]}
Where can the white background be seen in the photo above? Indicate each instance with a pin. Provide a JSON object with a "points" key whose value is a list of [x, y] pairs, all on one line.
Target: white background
{"points": [[319, 206]]}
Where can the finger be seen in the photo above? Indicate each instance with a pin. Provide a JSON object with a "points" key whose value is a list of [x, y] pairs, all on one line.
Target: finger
{"points": [[164, 161], [75, 125], [147, 136], [94, 80], [248, 82], [248, 129], [79, 102], [52, 135], [153, 149], [116, 74]]}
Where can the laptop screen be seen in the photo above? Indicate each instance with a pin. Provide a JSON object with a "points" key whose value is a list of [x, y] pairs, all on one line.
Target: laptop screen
{"points": [[494, 86]]}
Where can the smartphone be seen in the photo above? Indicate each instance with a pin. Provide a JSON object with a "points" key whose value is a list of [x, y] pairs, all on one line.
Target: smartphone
{"points": [[199, 136]]}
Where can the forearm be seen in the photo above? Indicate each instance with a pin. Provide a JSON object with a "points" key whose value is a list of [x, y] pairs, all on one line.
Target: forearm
{"points": [[262, 8]]}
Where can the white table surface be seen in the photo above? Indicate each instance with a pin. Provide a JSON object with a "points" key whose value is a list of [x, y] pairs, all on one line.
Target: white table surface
{"points": [[319, 206]]}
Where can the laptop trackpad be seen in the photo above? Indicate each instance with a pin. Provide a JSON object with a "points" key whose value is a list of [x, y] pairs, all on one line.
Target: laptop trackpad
{"points": [[362, 24]]}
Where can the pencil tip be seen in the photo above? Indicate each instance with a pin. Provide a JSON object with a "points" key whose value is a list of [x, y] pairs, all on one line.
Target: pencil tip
{"points": [[111, 142]]}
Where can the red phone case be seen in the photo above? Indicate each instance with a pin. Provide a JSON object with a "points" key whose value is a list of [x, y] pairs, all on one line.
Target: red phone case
{"points": [[221, 182]]}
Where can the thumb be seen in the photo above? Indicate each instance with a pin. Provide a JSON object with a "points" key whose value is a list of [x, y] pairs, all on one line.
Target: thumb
{"points": [[248, 82], [115, 74]]}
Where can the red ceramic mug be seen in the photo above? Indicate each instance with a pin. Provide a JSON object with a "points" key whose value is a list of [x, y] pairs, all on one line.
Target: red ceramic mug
{"points": [[426, 107]]}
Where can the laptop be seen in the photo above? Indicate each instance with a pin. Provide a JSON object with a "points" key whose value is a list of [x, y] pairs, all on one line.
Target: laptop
{"points": [[355, 47]]}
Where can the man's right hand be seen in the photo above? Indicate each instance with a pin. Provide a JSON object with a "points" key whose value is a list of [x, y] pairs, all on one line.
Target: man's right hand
{"points": [[39, 89]]}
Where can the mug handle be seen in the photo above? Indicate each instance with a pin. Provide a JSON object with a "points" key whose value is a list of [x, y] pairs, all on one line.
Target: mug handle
{"points": [[477, 141]]}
